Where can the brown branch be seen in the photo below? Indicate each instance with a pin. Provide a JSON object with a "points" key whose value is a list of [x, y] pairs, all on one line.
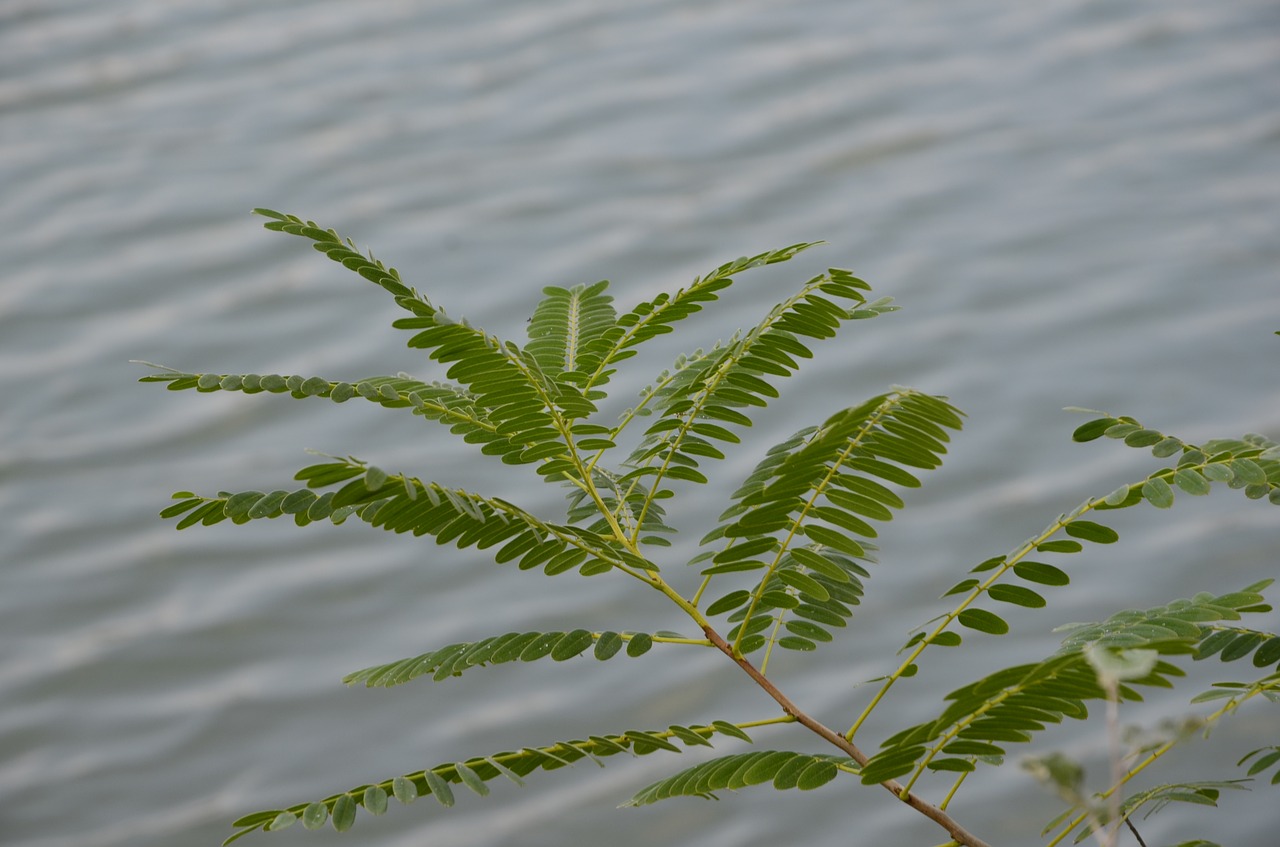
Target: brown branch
{"points": [[930, 811]]}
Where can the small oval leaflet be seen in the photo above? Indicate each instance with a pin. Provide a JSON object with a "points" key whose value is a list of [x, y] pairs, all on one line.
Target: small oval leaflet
{"points": [[1017, 595], [1268, 653], [440, 788], [820, 564], [1115, 498], [1241, 646], [728, 602], [1158, 493], [607, 645], [1191, 482], [344, 813], [1090, 531], [689, 737], [374, 478], [1249, 471], [314, 816], [471, 779], [806, 629], [1093, 429], [983, 621], [726, 728], [1041, 573], [1060, 546], [573, 644], [284, 820], [1143, 438], [375, 800], [404, 789], [1219, 472], [639, 644], [806, 585]]}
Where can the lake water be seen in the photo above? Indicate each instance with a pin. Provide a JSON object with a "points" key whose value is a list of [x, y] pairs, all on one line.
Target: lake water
{"points": [[1075, 202]]}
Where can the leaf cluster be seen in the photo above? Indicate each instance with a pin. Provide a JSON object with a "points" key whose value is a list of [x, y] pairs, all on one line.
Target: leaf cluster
{"points": [[787, 562]]}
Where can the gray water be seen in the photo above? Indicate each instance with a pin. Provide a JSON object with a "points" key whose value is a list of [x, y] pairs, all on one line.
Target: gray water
{"points": [[1075, 202]]}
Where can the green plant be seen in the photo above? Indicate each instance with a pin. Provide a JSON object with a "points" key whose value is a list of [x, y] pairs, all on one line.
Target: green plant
{"points": [[782, 569]]}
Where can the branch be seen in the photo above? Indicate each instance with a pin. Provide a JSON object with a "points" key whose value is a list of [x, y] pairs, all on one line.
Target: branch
{"points": [[933, 813]]}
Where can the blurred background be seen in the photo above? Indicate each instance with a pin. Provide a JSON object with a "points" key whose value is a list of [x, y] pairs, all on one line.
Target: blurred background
{"points": [[1075, 202]]}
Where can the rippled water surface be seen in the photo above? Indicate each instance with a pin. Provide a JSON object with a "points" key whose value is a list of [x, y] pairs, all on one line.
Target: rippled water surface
{"points": [[1075, 202]]}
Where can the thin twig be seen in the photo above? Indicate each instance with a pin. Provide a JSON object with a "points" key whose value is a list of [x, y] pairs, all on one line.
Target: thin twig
{"points": [[933, 813]]}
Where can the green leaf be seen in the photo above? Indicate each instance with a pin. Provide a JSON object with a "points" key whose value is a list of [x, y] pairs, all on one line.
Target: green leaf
{"points": [[989, 564], [471, 779], [835, 540], [1090, 531], [689, 474], [806, 585], [404, 790], [314, 816], [983, 621], [1041, 573], [608, 645], [729, 602], [1158, 493], [1249, 472], [1059, 546], [284, 820], [817, 774], [639, 644], [732, 730], [808, 630], [1118, 497], [1143, 438], [689, 736], [962, 587], [375, 800], [344, 812], [1191, 481], [439, 788], [649, 739], [1219, 472], [1093, 429], [573, 644], [820, 564], [374, 478], [1016, 595]]}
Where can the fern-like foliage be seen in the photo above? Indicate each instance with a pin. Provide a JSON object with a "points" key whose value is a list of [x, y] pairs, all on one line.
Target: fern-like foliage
{"points": [[1012, 704], [448, 404], [784, 769], [509, 647], [565, 327], [474, 774], [1268, 757], [789, 558], [803, 515]]}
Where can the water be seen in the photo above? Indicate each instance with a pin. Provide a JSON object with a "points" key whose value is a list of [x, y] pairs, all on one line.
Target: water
{"points": [[1075, 202]]}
